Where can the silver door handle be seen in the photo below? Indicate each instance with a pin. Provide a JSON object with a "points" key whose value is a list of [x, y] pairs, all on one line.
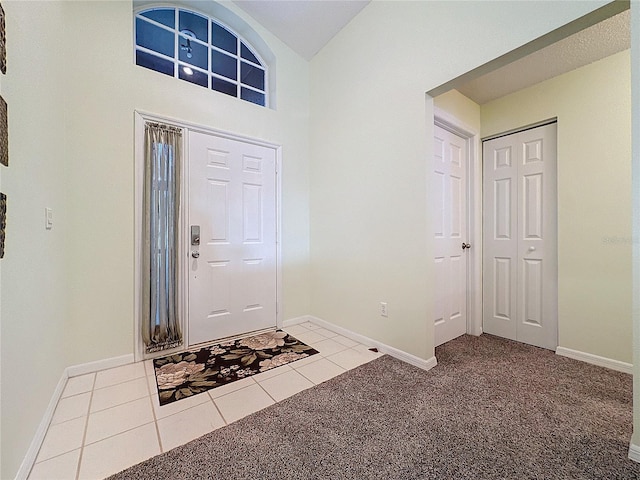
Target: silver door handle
{"points": [[466, 245], [195, 254]]}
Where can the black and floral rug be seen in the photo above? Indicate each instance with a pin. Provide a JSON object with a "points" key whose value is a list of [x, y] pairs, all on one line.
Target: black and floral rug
{"points": [[186, 374]]}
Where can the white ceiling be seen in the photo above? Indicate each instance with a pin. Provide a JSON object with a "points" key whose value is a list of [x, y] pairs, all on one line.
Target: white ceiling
{"points": [[587, 46], [304, 25]]}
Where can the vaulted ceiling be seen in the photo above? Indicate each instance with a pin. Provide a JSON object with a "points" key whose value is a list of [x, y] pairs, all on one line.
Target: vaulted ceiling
{"points": [[306, 26]]}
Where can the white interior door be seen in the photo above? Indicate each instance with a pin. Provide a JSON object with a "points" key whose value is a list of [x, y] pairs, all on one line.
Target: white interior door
{"points": [[232, 272], [520, 272], [450, 229]]}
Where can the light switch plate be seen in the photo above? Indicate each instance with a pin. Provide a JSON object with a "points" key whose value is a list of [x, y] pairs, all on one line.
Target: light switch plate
{"points": [[48, 218]]}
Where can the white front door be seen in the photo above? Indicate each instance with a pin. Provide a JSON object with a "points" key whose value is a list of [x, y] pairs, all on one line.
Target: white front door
{"points": [[449, 197], [520, 272], [232, 272]]}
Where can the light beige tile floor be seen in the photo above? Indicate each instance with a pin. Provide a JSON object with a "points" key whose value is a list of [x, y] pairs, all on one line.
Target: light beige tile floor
{"points": [[111, 420]]}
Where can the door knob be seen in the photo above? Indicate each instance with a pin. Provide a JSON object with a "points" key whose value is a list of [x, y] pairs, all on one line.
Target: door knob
{"points": [[466, 245], [532, 249], [195, 254]]}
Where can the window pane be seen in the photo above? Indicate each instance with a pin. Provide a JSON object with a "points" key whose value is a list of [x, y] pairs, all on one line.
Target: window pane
{"points": [[194, 23], [252, 96], [247, 55], [195, 76], [224, 65], [154, 63], [193, 53], [154, 38], [165, 16], [224, 87], [252, 76], [223, 39]]}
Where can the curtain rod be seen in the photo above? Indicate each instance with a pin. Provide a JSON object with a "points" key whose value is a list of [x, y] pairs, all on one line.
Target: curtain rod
{"points": [[163, 126]]}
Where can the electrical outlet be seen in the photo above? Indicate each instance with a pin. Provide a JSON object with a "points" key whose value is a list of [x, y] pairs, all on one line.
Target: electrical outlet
{"points": [[384, 311]]}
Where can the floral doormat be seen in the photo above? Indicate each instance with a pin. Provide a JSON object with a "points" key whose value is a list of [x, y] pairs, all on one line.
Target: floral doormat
{"points": [[186, 374]]}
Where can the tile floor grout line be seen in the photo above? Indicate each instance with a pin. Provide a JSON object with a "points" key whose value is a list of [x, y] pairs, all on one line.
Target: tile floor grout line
{"points": [[224, 419], [119, 433], [315, 357], [335, 363], [120, 404], [54, 457], [233, 391], [215, 405], [121, 383], [183, 410], [272, 371], [310, 359], [265, 391], [314, 383], [54, 423], [86, 427]]}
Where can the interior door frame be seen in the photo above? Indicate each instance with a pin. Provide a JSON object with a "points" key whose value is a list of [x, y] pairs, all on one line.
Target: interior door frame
{"points": [[140, 118], [452, 124]]}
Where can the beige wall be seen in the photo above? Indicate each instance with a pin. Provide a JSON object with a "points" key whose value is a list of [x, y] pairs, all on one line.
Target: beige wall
{"points": [[34, 304], [67, 294], [371, 134], [459, 107], [593, 107]]}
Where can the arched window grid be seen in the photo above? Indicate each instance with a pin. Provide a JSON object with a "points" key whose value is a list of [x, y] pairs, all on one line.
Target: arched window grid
{"points": [[180, 40]]}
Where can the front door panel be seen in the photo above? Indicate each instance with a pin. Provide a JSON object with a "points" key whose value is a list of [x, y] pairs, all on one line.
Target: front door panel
{"points": [[232, 273]]}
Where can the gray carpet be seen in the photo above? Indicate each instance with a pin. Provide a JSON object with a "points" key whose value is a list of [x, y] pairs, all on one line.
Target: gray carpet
{"points": [[491, 409]]}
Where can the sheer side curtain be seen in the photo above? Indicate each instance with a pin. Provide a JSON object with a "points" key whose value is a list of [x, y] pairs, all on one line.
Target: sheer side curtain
{"points": [[160, 273]]}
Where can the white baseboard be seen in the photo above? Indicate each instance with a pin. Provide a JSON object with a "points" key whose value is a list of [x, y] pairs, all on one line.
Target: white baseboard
{"points": [[32, 453], [91, 367], [596, 360], [356, 337], [296, 320], [634, 452], [72, 371]]}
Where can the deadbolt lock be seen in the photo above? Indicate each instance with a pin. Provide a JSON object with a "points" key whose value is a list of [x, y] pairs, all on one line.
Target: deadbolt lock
{"points": [[195, 234]]}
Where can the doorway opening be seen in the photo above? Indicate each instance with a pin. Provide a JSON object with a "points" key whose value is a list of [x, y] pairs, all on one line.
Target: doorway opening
{"points": [[456, 182], [601, 20]]}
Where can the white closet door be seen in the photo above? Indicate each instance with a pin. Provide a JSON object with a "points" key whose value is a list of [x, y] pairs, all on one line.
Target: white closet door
{"points": [[449, 197], [500, 242], [520, 271]]}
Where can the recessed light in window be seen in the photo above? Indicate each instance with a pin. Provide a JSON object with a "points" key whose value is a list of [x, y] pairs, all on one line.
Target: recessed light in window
{"points": [[187, 70]]}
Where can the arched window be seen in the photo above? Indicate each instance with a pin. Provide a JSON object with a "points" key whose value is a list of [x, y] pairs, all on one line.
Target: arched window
{"points": [[201, 50]]}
